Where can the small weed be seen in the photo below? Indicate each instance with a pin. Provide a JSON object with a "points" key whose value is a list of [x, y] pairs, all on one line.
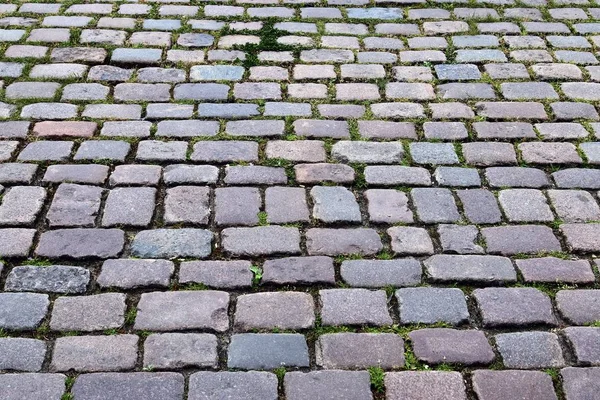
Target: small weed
{"points": [[377, 379], [385, 255], [38, 262], [345, 257], [148, 368], [280, 372], [130, 316], [111, 332], [258, 273], [67, 396], [195, 286], [595, 324], [3, 333], [262, 218]]}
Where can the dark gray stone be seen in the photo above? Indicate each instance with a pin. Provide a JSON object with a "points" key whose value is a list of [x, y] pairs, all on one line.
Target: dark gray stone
{"points": [[443, 345], [20, 354], [22, 311], [252, 385], [332, 385], [514, 307], [81, 243], [168, 311], [267, 351], [170, 243], [530, 350], [132, 386], [431, 305], [51, 279], [381, 273]]}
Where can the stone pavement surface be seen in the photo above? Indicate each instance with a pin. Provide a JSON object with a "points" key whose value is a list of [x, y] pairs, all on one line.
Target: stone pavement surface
{"points": [[299, 199]]}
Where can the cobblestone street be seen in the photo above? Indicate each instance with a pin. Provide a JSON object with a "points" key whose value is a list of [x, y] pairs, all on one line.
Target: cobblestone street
{"points": [[299, 200]]}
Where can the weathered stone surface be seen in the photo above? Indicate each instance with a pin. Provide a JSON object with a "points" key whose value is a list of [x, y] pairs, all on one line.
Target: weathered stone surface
{"points": [[350, 385], [360, 350], [51, 279], [170, 243], [514, 307], [354, 307], [274, 311], [267, 351], [425, 384], [180, 350], [95, 353], [20, 354], [530, 350], [81, 243], [22, 311], [168, 311], [443, 345], [37, 386], [134, 385], [495, 385], [252, 385], [88, 313]]}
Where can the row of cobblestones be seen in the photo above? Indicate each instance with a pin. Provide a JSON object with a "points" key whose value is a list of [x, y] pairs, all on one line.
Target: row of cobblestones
{"points": [[299, 199]]}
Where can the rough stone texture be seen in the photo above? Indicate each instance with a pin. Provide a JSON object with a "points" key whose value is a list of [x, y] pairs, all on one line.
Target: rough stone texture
{"points": [[81, 243], [22, 311], [432, 305], [351, 385], [514, 306], [20, 354], [354, 307], [134, 385], [37, 386], [51, 279], [425, 384], [168, 243], [360, 350], [496, 385], [167, 311], [267, 351], [180, 350], [529, 350], [252, 385], [88, 313], [95, 353], [442, 345], [274, 310]]}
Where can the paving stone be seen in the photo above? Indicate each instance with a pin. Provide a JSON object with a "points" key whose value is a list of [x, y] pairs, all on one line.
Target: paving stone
{"points": [[428, 384], [529, 350], [552, 269], [299, 270], [469, 268], [354, 307], [381, 273], [20, 354], [334, 204], [252, 385], [171, 243], [134, 385], [388, 206], [363, 350], [352, 385], [323, 172], [410, 240], [332, 242], [187, 204], [51, 279], [493, 385], [95, 353], [81, 243], [263, 240], [443, 345], [129, 207], [580, 383], [514, 307], [575, 178], [225, 151], [254, 175], [168, 311], [218, 274], [134, 273], [274, 311], [22, 311], [286, 205], [88, 313], [578, 307], [433, 153], [584, 341], [36, 386], [525, 205], [16, 242], [21, 205], [180, 350], [580, 237], [432, 305], [516, 177], [457, 176], [267, 351], [135, 175], [434, 205]]}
